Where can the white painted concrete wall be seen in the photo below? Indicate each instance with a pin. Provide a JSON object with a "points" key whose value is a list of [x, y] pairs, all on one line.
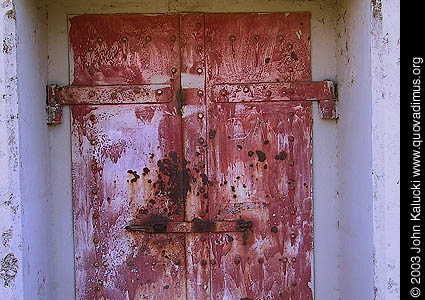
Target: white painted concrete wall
{"points": [[11, 258], [323, 39], [34, 148]]}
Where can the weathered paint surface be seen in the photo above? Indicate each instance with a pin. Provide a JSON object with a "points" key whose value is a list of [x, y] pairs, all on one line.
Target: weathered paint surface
{"points": [[182, 191]]}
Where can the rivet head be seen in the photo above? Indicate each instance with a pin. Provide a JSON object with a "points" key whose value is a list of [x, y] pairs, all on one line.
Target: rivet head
{"points": [[268, 93], [199, 70], [232, 38], [246, 89], [237, 260], [285, 259], [200, 115], [273, 229], [124, 39], [293, 235], [199, 48], [173, 70], [96, 264], [95, 240], [256, 37], [159, 92], [200, 93], [94, 191], [293, 259], [204, 286], [93, 142], [148, 38]]}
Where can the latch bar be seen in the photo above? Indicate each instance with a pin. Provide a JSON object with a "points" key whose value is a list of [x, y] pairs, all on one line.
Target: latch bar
{"points": [[195, 226]]}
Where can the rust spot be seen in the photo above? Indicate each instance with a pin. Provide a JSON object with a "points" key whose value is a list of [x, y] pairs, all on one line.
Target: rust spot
{"points": [[134, 173], [281, 156], [261, 155]]}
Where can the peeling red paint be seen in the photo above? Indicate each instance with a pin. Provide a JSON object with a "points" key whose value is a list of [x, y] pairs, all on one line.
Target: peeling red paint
{"points": [[192, 172]]}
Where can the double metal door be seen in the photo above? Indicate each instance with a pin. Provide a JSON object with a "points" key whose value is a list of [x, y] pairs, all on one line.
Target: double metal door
{"points": [[191, 155]]}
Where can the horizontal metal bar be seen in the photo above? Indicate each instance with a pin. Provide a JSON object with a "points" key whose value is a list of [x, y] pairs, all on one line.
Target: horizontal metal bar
{"points": [[110, 94], [195, 226], [276, 91]]}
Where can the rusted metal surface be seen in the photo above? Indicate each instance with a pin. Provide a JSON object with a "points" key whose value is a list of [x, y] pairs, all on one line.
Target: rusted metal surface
{"points": [[181, 190], [260, 159], [124, 49], [118, 94], [252, 48], [328, 109], [263, 92]]}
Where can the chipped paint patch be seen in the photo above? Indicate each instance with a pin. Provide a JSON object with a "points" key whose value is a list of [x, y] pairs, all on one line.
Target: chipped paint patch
{"points": [[8, 269]]}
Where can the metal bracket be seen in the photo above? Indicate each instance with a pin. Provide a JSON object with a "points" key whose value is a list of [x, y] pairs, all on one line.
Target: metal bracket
{"points": [[328, 109]]}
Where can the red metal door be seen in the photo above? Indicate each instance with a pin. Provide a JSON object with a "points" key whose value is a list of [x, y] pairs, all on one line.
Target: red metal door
{"points": [[191, 149]]}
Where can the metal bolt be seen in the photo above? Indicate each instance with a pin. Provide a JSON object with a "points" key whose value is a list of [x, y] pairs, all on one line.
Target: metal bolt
{"points": [[148, 38], [291, 69], [232, 38], [96, 264], [124, 39], [199, 70], [159, 92], [268, 93], [293, 259], [293, 235], [256, 37], [274, 229], [205, 286], [173, 70], [285, 259], [93, 142], [200, 93], [199, 48], [246, 89], [200, 115]]}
